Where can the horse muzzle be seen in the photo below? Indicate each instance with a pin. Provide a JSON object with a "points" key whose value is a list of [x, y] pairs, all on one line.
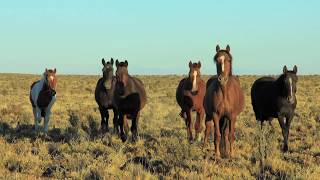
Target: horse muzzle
{"points": [[53, 92], [291, 99]]}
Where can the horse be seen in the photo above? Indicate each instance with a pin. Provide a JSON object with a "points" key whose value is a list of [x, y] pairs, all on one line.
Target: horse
{"points": [[189, 95], [130, 98], [42, 97], [275, 98], [104, 93], [223, 102]]}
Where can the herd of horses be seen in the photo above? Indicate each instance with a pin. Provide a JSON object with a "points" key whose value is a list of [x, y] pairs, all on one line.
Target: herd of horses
{"points": [[217, 102]]}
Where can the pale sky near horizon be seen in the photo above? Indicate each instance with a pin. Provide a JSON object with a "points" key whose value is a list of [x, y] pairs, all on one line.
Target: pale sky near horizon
{"points": [[159, 37]]}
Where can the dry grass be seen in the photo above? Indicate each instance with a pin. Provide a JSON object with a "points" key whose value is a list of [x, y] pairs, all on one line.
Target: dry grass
{"points": [[74, 147]]}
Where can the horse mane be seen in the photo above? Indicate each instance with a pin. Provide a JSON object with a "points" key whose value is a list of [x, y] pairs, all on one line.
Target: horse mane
{"points": [[122, 64]]}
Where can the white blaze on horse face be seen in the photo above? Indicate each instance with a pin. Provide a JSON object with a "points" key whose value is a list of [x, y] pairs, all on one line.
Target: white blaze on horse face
{"points": [[290, 84], [221, 59], [51, 78], [194, 83]]}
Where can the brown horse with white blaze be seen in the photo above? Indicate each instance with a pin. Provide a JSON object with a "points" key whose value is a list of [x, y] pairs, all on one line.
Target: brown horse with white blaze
{"points": [[189, 95], [223, 102]]}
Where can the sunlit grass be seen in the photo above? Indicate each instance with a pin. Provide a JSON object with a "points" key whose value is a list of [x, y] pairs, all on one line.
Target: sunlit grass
{"points": [[74, 147]]}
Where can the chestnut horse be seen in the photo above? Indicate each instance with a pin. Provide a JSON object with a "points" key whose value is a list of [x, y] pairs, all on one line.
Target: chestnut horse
{"points": [[104, 96], [276, 98], [42, 97], [189, 95], [130, 98], [223, 102]]}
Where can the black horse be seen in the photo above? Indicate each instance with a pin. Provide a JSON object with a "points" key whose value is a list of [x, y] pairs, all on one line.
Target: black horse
{"points": [[130, 97], [275, 98], [104, 96]]}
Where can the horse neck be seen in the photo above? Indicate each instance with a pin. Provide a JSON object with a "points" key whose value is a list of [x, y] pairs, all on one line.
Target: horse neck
{"points": [[109, 77], [279, 85], [44, 82], [131, 86]]}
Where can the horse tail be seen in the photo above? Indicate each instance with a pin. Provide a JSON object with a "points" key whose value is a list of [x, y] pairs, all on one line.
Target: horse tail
{"points": [[224, 123]]}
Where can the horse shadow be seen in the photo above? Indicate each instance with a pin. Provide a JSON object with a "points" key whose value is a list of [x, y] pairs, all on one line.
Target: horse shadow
{"points": [[26, 131], [88, 130]]}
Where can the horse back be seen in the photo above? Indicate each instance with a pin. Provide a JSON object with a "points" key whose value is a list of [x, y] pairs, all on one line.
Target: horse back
{"points": [[264, 98], [238, 95], [30, 95], [139, 87], [179, 91]]}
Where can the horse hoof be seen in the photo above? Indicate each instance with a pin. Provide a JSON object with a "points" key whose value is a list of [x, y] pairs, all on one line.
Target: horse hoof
{"points": [[104, 129], [217, 157], [123, 137], [135, 137], [285, 148], [115, 131]]}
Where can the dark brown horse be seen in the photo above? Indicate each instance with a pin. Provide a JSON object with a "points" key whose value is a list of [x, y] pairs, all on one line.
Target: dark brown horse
{"points": [[42, 97], [130, 97], [276, 98], [189, 95], [104, 96], [223, 102]]}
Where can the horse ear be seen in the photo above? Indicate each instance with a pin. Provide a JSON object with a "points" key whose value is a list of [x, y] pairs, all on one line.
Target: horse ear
{"points": [[103, 61], [217, 48], [117, 63], [46, 70], [55, 70], [199, 64], [190, 64], [228, 48], [295, 69], [285, 70], [111, 61], [126, 62]]}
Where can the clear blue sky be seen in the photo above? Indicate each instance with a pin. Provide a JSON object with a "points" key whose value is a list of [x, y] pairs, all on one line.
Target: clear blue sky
{"points": [[159, 37]]}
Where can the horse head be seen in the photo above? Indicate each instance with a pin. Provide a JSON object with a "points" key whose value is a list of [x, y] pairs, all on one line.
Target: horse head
{"points": [[107, 72], [122, 77], [223, 60]]}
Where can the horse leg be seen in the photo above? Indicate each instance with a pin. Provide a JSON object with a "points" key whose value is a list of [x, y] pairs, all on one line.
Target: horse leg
{"points": [[189, 126], [46, 119], [217, 135], [48, 113], [283, 129], [209, 124], [115, 121], [134, 127], [198, 125], [37, 117], [232, 135], [226, 142], [123, 136], [104, 119], [286, 133], [125, 124]]}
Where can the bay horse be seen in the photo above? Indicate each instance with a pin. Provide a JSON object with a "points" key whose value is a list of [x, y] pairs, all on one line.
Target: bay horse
{"points": [[104, 96], [42, 97], [223, 102], [189, 95], [130, 98], [275, 98]]}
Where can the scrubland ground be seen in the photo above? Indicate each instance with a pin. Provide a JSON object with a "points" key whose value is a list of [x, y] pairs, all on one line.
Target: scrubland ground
{"points": [[75, 149]]}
